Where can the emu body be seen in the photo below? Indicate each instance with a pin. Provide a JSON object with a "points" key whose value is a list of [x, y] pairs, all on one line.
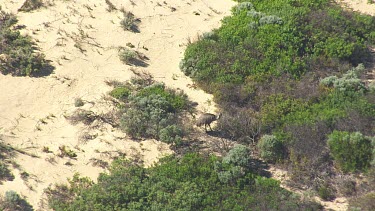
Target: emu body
{"points": [[206, 119]]}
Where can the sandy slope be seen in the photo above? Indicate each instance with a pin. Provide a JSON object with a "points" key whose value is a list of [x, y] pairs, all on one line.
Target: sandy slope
{"points": [[32, 109]]}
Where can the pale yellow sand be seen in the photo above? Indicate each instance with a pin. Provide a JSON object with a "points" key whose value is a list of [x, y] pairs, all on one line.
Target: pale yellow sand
{"points": [[32, 109]]}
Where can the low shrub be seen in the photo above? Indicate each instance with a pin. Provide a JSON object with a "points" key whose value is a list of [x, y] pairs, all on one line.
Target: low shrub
{"points": [[13, 201], [18, 54], [129, 22], [120, 93], [171, 134], [365, 202], [325, 192], [128, 56], [351, 151], [270, 148], [152, 112]]}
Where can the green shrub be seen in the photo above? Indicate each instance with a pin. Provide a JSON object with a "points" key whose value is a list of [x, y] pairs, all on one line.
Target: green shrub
{"points": [[18, 54], [271, 149], [78, 102], [129, 22], [5, 173], [147, 116], [349, 82], [171, 134], [351, 151], [120, 93], [239, 155], [13, 201], [325, 192], [187, 182], [128, 56]]}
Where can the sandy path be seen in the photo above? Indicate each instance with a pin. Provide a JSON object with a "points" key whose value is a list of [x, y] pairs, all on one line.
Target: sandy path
{"points": [[32, 109]]}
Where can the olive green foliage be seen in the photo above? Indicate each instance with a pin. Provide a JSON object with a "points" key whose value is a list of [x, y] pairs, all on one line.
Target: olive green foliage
{"points": [[128, 56], [186, 183], [120, 92], [5, 153], [291, 69], [271, 149], [152, 111], [18, 54], [348, 82], [234, 165], [171, 134], [13, 201], [129, 22], [352, 151]]}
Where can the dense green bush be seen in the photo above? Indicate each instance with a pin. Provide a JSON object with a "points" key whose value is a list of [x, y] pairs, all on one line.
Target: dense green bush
{"points": [[152, 111], [186, 183], [171, 134], [289, 68], [351, 151], [128, 56], [19, 55], [270, 148], [120, 93]]}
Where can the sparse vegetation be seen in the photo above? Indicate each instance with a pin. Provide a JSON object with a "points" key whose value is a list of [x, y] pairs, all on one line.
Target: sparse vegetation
{"points": [[13, 201], [129, 22], [128, 56], [30, 5], [5, 153], [78, 102], [18, 53], [66, 152]]}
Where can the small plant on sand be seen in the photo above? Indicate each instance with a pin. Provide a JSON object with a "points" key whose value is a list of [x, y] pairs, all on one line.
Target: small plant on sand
{"points": [[46, 149], [84, 116], [13, 201], [78, 102], [129, 22], [66, 152], [127, 56], [111, 6]]}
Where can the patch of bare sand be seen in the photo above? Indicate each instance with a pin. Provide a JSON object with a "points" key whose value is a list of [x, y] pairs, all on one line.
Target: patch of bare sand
{"points": [[81, 38]]}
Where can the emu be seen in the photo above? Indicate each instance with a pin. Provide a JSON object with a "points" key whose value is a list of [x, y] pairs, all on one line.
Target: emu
{"points": [[206, 119]]}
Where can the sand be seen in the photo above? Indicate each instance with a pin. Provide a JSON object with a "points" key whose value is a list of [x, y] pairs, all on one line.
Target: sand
{"points": [[81, 38]]}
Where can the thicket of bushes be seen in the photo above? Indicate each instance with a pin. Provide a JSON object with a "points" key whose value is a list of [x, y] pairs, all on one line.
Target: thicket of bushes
{"points": [[191, 182], [19, 55], [292, 69]]}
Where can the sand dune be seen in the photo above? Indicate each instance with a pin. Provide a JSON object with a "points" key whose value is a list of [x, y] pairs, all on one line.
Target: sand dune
{"points": [[81, 38]]}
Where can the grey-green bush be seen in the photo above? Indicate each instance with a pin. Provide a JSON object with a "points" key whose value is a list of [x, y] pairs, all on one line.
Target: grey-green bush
{"points": [[352, 151], [172, 134], [271, 149]]}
